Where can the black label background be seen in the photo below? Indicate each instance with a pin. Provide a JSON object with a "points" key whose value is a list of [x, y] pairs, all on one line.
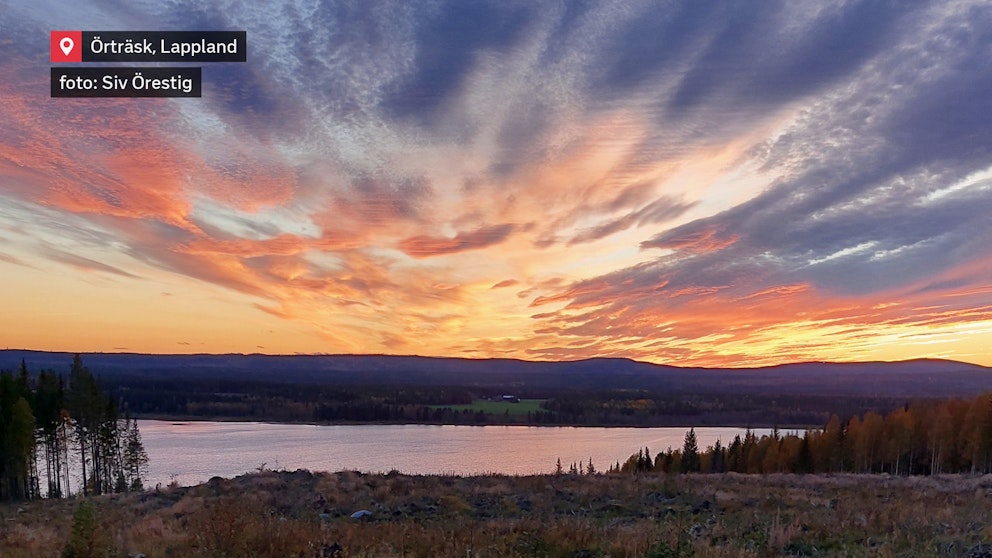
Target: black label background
{"points": [[125, 73], [155, 37]]}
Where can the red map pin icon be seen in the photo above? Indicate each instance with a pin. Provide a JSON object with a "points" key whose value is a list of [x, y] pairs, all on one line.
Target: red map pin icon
{"points": [[67, 46]]}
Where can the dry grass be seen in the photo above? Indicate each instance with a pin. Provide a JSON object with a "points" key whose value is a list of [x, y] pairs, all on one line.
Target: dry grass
{"points": [[283, 514]]}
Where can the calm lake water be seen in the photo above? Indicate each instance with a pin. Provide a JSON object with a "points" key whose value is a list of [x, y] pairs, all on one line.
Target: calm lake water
{"points": [[193, 452]]}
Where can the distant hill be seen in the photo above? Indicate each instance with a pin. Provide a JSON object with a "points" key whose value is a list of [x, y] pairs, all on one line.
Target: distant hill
{"points": [[914, 378]]}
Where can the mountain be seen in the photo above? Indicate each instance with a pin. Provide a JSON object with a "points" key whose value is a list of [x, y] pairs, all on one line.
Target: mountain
{"points": [[915, 378]]}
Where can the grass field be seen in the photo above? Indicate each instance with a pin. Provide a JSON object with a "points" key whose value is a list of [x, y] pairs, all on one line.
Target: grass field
{"points": [[299, 514], [499, 407]]}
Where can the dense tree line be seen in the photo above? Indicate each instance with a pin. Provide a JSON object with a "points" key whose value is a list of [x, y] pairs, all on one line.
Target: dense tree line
{"points": [[920, 438], [63, 432], [272, 401], [672, 408], [209, 398]]}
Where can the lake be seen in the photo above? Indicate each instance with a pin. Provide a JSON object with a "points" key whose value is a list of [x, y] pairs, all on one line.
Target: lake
{"points": [[193, 452]]}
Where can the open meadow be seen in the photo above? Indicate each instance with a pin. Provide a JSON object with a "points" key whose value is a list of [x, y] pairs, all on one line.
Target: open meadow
{"points": [[498, 407], [280, 514]]}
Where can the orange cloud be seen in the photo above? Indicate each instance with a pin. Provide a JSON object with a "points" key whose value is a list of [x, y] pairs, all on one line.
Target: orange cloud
{"points": [[282, 245], [696, 242], [505, 283], [427, 246]]}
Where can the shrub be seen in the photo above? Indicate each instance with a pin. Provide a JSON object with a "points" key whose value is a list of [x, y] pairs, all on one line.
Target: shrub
{"points": [[87, 539]]}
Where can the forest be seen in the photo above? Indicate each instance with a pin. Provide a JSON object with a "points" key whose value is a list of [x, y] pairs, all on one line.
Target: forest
{"points": [[60, 436], [919, 438], [54, 432], [224, 399]]}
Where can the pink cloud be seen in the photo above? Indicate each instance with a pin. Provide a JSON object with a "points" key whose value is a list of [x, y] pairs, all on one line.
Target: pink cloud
{"points": [[427, 246]]}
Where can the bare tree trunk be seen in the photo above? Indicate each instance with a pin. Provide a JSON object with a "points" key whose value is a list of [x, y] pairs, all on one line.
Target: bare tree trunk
{"points": [[65, 461], [82, 459]]}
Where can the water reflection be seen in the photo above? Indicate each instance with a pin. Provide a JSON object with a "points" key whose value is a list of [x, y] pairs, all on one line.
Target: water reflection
{"points": [[192, 452]]}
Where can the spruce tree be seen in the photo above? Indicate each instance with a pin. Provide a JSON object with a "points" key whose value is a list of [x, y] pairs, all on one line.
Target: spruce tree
{"points": [[87, 538], [690, 452], [16, 439], [135, 459], [718, 465]]}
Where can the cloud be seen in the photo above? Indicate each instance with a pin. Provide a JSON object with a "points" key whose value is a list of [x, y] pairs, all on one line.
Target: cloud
{"points": [[85, 264], [12, 260], [448, 41], [695, 238], [658, 211], [825, 44], [483, 237], [855, 216], [686, 181]]}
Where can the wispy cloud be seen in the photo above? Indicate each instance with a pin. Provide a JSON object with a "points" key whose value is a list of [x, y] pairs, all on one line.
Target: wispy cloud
{"points": [[687, 182], [483, 237], [85, 264]]}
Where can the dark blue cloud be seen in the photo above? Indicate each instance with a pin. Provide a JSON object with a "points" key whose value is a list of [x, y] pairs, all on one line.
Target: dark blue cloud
{"points": [[448, 42], [656, 40], [755, 60], [838, 43], [253, 102]]}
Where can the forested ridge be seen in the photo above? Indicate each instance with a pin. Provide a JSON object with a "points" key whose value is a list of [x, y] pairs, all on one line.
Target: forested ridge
{"points": [[67, 434], [61, 435], [905, 379], [590, 392], [391, 403]]}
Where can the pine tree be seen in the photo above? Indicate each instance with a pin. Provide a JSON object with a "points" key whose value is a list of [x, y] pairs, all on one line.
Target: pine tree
{"points": [[94, 420], [87, 539], [81, 406], [735, 455], [49, 402], [804, 463], [718, 463], [135, 459], [16, 439], [690, 452]]}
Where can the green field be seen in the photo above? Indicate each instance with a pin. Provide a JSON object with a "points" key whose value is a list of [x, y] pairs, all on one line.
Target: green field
{"points": [[498, 407]]}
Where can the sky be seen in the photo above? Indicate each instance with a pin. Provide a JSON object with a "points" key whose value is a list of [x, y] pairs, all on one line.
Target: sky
{"points": [[688, 183]]}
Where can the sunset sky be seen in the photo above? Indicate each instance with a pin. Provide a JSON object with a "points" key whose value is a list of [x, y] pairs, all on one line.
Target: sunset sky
{"points": [[689, 183]]}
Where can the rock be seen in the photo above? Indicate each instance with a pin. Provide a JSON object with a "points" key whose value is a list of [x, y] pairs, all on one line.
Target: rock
{"points": [[361, 514]]}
